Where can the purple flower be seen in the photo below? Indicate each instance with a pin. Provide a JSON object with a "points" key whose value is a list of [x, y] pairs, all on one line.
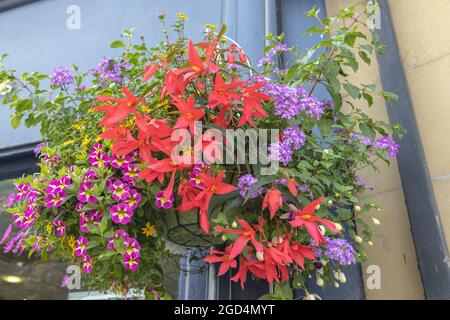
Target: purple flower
{"points": [[131, 262], [340, 250], [80, 247], [108, 70], [120, 191], [96, 158], [38, 149], [86, 262], [131, 246], [93, 217], [130, 173], [389, 144], [134, 199], [245, 184], [121, 213], [14, 243], [65, 281], [289, 102], [55, 199], [119, 234], [86, 194], [6, 234], [280, 151], [60, 228], [162, 202], [304, 187], [61, 76], [294, 137], [10, 200], [59, 185], [22, 191], [118, 162]]}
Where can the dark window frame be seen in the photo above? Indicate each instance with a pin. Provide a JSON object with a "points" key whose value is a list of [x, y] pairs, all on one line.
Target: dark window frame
{"points": [[11, 4]]}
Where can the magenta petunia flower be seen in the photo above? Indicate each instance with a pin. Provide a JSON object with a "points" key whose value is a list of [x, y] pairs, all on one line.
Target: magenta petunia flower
{"points": [[93, 217], [86, 193], [118, 162], [120, 191], [11, 199], [119, 234], [134, 199], [80, 246], [97, 159], [87, 264], [162, 202], [131, 262], [22, 191], [121, 213], [131, 246], [55, 199], [65, 281], [90, 175], [130, 173], [60, 228], [59, 185]]}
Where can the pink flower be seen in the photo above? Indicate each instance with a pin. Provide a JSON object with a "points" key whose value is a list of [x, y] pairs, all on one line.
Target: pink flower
{"points": [[120, 191], [119, 234], [118, 162], [80, 246], [22, 191], [162, 202], [86, 194], [121, 213], [87, 264], [55, 199], [93, 217], [134, 199], [97, 159], [60, 227], [59, 185], [65, 281], [130, 173], [132, 247], [131, 262]]}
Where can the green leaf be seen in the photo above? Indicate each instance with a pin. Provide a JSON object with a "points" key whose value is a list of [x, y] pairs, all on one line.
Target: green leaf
{"points": [[351, 90], [117, 44], [367, 130], [24, 105], [325, 126], [368, 98], [365, 57]]}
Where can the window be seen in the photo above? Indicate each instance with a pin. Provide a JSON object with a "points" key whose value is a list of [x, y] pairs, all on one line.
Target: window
{"points": [[11, 4]]}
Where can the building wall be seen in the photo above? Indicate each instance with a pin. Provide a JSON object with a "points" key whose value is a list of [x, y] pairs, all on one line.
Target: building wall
{"points": [[393, 249], [423, 34]]}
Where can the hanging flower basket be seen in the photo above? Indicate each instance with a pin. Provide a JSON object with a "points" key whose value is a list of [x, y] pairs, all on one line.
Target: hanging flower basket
{"points": [[120, 179]]}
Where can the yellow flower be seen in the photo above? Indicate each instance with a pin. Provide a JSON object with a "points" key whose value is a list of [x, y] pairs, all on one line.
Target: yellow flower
{"points": [[71, 242], [145, 108], [86, 141], [148, 230], [49, 229], [68, 142], [210, 26], [182, 16], [78, 126]]}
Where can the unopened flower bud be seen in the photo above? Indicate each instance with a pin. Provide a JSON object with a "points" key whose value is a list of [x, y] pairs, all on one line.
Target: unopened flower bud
{"points": [[337, 195], [275, 240], [336, 284], [357, 208], [317, 207], [370, 243], [379, 209], [330, 202], [234, 225], [375, 221], [309, 297], [358, 239], [336, 275], [280, 239], [260, 256], [320, 282], [321, 230], [338, 226], [342, 277], [323, 262], [224, 237]]}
